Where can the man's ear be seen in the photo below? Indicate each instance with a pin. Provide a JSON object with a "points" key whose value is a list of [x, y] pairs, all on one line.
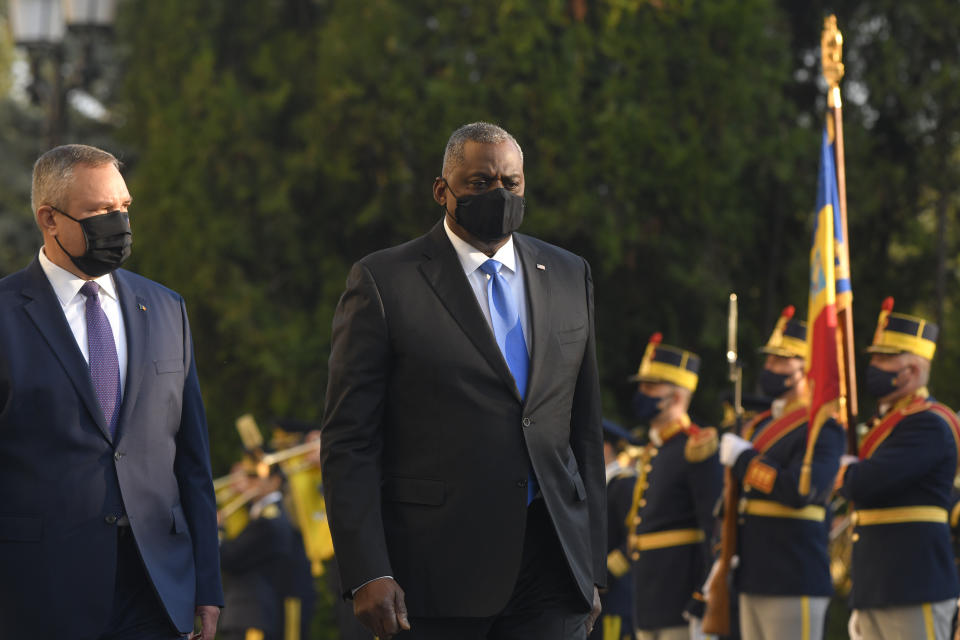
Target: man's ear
{"points": [[45, 219], [440, 191]]}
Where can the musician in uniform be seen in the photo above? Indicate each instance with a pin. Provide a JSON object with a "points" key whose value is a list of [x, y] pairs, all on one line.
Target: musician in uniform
{"points": [[904, 581], [616, 616], [267, 581], [783, 577], [678, 481]]}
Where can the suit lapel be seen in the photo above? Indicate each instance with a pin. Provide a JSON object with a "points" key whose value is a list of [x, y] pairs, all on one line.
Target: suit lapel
{"points": [[136, 322], [537, 283], [46, 313], [442, 269]]}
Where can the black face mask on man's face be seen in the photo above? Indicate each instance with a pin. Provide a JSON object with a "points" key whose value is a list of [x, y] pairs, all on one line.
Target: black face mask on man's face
{"points": [[108, 237], [489, 216]]}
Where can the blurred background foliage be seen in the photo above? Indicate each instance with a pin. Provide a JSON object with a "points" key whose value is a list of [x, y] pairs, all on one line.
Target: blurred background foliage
{"points": [[673, 143]]}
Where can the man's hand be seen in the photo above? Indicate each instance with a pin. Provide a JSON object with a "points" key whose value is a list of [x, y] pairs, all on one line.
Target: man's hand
{"points": [[594, 611], [731, 446], [208, 622], [380, 607]]}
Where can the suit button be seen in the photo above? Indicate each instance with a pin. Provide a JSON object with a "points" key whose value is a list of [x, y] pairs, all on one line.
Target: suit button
{"points": [[526, 422], [111, 519], [521, 483]]}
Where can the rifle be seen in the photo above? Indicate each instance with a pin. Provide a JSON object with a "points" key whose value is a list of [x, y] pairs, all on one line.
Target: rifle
{"points": [[716, 618]]}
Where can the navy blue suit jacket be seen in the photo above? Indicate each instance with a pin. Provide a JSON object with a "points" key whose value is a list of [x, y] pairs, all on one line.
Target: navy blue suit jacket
{"points": [[63, 479]]}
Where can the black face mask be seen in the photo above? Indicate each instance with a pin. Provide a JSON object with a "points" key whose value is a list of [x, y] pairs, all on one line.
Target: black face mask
{"points": [[773, 384], [645, 407], [489, 216], [881, 383], [108, 237]]}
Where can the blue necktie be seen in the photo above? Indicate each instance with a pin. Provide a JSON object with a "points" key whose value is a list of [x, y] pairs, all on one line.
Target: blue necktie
{"points": [[509, 334], [104, 364]]}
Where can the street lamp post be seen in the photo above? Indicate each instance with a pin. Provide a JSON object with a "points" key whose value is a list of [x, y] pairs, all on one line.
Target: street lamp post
{"points": [[42, 27]]}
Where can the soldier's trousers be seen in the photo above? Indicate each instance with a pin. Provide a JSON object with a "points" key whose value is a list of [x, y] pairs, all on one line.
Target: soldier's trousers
{"points": [[929, 621], [782, 617]]}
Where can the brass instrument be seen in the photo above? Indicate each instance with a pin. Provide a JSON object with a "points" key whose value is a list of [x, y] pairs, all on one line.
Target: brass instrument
{"points": [[303, 497]]}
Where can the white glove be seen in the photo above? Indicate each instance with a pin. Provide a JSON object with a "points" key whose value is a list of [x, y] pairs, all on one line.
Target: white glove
{"points": [[847, 459], [853, 626], [731, 446]]}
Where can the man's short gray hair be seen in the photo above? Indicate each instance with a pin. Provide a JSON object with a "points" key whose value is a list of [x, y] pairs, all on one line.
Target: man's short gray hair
{"points": [[53, 171], [482, 132]]}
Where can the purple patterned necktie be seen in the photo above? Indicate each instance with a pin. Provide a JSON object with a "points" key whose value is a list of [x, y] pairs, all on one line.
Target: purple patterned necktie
{"points": [[104, 365]]}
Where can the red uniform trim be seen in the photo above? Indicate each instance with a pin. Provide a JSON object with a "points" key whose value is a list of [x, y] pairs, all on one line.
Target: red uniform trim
{"points": [[780, 427]]}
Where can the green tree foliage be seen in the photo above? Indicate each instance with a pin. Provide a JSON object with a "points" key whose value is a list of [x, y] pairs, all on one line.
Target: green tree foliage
{"points": [[279, 142]]}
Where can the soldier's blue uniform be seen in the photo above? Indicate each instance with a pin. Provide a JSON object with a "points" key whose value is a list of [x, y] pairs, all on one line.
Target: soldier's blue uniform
{"points": [[783, 534], [678, 483], [616, 616], [783, 577], [267, 579], [671, 549], [901, 490], [903, 571]]}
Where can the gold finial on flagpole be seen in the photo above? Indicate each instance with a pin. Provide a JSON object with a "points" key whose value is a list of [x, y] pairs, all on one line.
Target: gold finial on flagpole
{"points": [[831, 53]]}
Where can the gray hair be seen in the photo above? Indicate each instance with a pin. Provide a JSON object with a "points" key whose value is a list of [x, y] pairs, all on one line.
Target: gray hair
{"points": [[53, 171], [482, 132]]}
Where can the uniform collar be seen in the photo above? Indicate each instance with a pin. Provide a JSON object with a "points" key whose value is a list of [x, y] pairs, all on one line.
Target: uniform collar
{"points": [[66, 285], [781, 407], [660, 436], [271, 498], [920, 394]]}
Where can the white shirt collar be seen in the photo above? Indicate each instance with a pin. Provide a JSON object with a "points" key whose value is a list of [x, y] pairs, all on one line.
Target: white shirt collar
{"points": [[471, 258], [67, 286]]}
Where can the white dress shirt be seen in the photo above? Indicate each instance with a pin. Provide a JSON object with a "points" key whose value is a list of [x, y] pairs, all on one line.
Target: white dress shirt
{"points": [[471, 258], [74, 304]]}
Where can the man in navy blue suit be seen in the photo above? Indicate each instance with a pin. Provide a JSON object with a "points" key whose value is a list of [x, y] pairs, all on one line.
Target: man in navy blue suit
{"points": [[107, 512]]}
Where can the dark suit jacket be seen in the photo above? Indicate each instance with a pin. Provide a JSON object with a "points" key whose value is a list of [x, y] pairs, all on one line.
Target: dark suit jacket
{"points": [[427, 444], [63, 480]]}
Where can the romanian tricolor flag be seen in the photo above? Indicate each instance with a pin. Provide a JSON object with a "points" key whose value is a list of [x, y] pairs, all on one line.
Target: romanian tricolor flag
{"points": [[829, 293]]}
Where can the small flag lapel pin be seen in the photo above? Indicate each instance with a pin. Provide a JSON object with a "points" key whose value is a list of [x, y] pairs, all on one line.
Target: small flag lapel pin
{"points": [[141, 307], [541, 267]]}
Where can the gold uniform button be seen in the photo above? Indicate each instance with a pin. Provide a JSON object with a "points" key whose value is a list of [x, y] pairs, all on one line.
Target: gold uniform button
{"points": [[643, 502], [648, 468], [855, 537]]}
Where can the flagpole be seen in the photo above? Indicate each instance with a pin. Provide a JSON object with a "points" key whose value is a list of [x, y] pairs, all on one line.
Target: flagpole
{"points": [[831, 47]]}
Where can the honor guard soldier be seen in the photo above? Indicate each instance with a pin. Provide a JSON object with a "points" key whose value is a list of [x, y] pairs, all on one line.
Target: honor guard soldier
{"points": [[678, 481], [783, 577], [616, 616], [904, 581]]}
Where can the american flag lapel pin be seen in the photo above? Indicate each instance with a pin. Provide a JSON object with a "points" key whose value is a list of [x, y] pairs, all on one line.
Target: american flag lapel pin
{"points": [[141, 307], [541, 267]]}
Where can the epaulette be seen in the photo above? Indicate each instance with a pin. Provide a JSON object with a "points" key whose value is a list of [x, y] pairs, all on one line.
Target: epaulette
{"points": [[701, 444], [270, 512]]}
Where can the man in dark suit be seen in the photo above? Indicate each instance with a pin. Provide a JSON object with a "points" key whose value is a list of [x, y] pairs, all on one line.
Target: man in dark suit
{"points": [[107, 513], [462, 460]]}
